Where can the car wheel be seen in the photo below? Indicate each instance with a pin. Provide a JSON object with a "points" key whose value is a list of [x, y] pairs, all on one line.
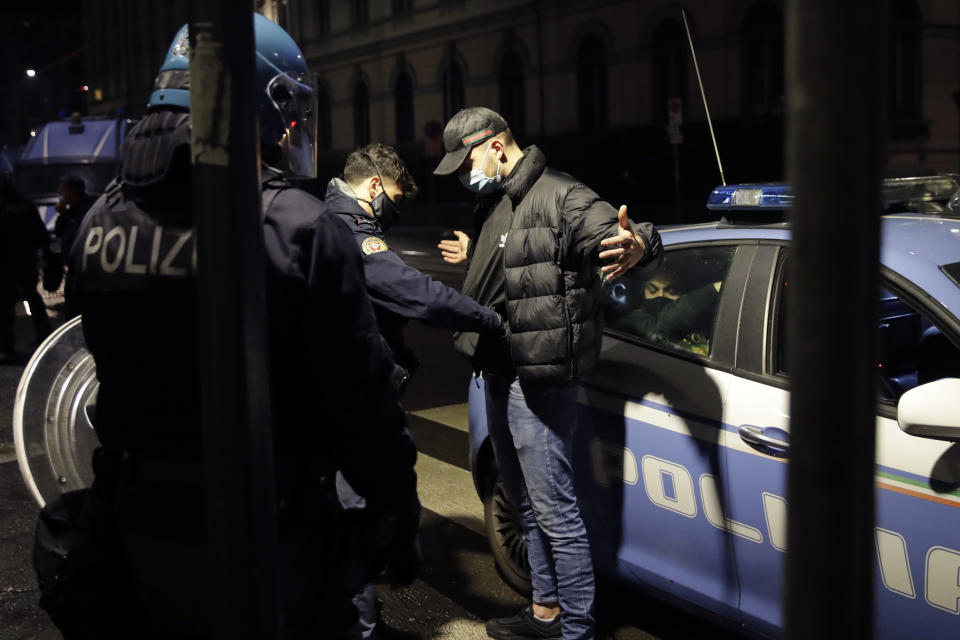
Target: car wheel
{"points": [[506, 537]]}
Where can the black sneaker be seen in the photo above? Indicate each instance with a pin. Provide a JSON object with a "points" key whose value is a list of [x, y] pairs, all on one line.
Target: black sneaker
{"points": [[522, 626]]}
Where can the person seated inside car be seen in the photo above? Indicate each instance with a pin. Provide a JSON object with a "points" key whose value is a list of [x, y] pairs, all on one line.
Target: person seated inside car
{"points": [[673, 313]]}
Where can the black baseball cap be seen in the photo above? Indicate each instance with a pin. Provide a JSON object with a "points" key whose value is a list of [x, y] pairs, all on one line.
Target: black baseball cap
{"points": [[467, 129]]}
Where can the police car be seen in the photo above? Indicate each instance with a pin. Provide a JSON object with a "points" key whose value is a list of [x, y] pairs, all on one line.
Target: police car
{"points": [[681, 455]]}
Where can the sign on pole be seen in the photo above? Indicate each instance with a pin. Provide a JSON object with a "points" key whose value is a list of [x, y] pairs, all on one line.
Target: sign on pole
{"points": [[674, 120]]}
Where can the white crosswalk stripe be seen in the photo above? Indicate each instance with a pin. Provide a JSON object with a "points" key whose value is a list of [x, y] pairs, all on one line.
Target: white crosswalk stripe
{"points": [[448, 491], [7, 453]]}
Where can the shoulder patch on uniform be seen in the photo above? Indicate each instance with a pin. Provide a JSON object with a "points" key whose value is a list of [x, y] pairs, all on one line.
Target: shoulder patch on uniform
{"points": [[373, 244]]}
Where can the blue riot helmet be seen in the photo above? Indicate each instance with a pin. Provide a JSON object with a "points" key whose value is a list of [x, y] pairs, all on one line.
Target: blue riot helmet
{"points": [[288, 96], [288, 111]]}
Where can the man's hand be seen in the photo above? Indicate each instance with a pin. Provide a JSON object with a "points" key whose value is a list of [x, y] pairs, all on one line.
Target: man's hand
{"points": [[455, 251], [626, 248]]}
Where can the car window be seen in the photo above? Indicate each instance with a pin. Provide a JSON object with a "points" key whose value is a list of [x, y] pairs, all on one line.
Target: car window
{"points": [[674, 306], [912, 350]]}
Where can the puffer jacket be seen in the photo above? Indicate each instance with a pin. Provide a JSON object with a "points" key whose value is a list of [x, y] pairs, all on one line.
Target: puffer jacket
{"points": [[552, 270]]}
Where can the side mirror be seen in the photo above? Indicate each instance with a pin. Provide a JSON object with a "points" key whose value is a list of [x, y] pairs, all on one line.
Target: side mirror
{"points": [[931, 410]]}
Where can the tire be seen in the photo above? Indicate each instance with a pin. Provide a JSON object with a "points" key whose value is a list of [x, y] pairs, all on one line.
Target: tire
{"points": [[505, 535]]}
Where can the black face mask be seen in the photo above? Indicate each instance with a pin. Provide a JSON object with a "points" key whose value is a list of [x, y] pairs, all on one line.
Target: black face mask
{"points": [[385, 210], [656, 305]]}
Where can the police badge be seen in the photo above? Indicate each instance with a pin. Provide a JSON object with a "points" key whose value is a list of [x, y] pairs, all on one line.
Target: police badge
{"points": [[373, 244]]}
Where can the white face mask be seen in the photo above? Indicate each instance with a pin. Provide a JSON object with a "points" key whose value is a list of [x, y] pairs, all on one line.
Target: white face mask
{"points": [[478, 181]]}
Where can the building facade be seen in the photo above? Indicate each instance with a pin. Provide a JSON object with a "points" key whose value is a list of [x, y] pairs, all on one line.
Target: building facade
{"points": [[589, 80], [41, 69], [126, 43]]}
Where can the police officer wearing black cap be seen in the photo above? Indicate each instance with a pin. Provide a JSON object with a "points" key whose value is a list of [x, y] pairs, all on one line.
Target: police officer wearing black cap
{"points": [[540, 253], [133, 276], [368, 199]]}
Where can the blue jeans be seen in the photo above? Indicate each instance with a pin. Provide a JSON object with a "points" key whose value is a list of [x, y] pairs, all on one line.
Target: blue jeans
{"points": [[531, 428]]}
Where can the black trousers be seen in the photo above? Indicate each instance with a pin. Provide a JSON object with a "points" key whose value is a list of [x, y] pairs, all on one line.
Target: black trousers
{"points": [[24, 287], [138, 563]]}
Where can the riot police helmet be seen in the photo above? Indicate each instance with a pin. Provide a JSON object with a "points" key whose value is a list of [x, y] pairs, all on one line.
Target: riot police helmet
{"points": [[288, 96]]}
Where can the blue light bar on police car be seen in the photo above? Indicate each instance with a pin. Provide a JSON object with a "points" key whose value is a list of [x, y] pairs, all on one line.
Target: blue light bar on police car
{"points": [[750, 196]]}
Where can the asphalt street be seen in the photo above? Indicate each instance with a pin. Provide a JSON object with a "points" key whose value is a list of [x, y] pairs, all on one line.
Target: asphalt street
{"points": [[459, 586]]}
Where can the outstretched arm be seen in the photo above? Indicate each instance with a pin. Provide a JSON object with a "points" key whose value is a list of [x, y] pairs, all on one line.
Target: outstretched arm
{"points": [[410, 293], [624, 250], [601, 232]]}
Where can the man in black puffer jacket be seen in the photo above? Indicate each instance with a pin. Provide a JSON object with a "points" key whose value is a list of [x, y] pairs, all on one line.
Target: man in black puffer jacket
{"points": [[539, 259]]}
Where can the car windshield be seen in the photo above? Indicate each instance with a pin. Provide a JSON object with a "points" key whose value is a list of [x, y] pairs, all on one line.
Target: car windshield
{"points": [[39, 180]]}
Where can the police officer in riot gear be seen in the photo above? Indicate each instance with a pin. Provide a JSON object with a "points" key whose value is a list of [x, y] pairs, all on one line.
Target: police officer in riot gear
{"points": [[133, 278], [368, 200]]}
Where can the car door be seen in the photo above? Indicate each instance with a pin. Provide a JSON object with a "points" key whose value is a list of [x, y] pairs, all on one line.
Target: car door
{"points": [[649, 448], [917, 530]]}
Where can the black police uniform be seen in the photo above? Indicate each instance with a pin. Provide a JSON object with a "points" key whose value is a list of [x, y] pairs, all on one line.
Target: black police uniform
{"points": [[400, 292], [133, 277], [22, 238], [69, 221]]}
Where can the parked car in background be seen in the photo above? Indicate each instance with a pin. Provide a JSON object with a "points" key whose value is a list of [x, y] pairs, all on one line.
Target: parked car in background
{"points": [[684, 439]]}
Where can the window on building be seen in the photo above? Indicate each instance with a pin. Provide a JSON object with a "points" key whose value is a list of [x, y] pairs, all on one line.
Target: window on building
{"points": [[361, 114], [403, 104], [314, 19], [453, 93], [323, 17], [761, 51], [592, 83], [308, 21], [147, 45], [324, 117], [904, 72], [512, 96], [359, 12], [669, 67], [402, 8]]}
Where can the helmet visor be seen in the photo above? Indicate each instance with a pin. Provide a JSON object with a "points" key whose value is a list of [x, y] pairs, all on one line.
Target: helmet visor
{"points": [[294, 96]]}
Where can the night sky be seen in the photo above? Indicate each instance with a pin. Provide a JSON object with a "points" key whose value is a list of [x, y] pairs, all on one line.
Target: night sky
{"points": [[47, 37]]}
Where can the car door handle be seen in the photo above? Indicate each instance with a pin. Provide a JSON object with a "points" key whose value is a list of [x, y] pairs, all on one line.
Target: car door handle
{"points": [[769, 440]]}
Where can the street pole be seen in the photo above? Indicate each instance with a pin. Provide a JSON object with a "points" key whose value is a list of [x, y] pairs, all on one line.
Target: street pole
{"points": [[835, 155], [238, 452], [677, 205]]}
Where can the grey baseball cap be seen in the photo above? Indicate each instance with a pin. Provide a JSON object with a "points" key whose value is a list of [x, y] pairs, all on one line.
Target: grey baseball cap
{"points": [[465, 130]]}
